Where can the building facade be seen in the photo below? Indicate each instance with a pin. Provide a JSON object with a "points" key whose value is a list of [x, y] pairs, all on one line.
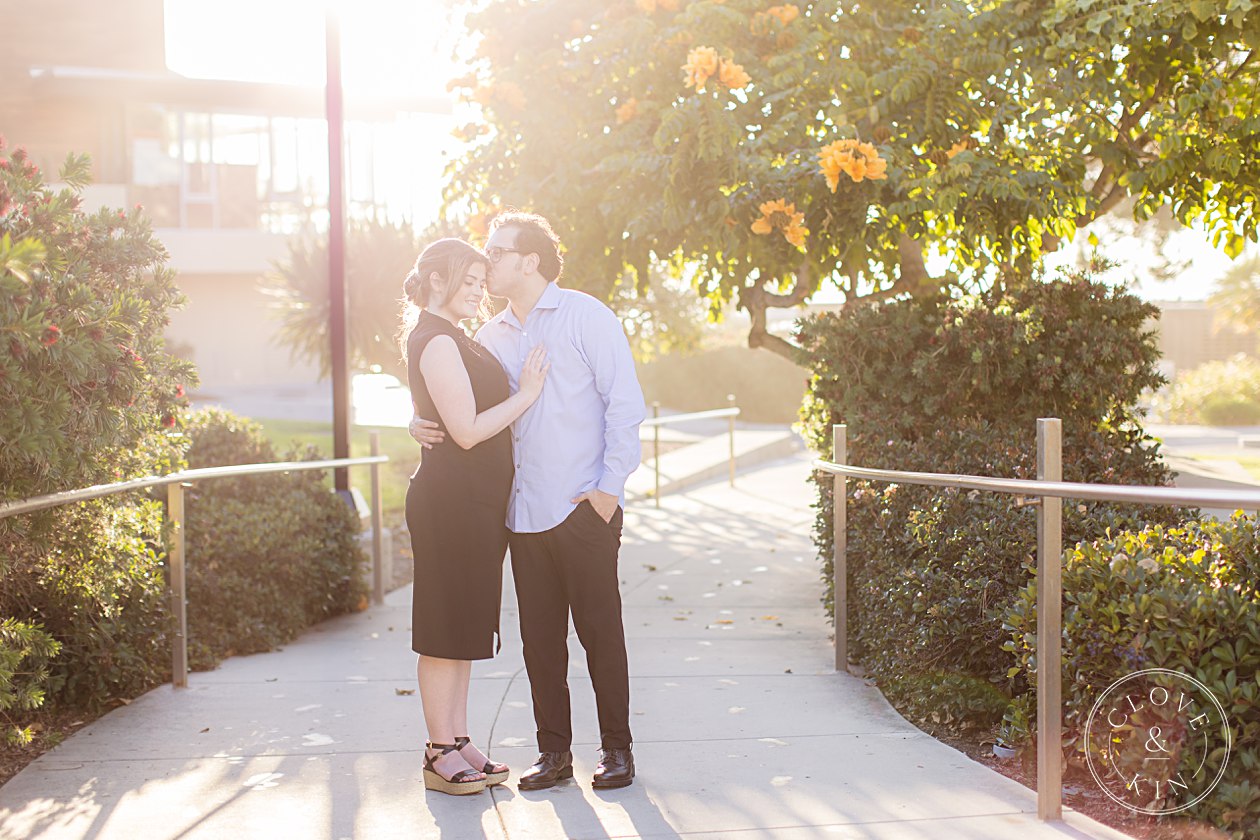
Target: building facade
{"points": [[229, 172]]}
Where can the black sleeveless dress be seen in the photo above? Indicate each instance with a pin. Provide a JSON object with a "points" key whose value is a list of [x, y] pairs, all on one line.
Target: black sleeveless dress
{"points": [[457, 512]]}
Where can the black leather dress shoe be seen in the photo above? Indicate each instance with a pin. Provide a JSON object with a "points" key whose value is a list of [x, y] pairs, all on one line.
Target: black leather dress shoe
{"points": [[615, 769], [551, 767]]}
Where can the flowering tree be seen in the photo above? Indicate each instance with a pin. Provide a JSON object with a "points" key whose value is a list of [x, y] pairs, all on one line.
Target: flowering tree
{"points": [[888, 148], [89, 394]]}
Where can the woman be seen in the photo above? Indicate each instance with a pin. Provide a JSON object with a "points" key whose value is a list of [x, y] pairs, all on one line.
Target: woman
{"points": [[457, 501]]}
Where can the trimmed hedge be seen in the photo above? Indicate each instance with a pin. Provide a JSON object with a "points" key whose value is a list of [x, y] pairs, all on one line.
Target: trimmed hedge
{"points": [[268, 555], [1183, 598], [956, 386]]}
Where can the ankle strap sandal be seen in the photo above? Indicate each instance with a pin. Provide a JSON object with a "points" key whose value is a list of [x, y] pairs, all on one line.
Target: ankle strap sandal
{"points": [[496, 774], [460, 784]]}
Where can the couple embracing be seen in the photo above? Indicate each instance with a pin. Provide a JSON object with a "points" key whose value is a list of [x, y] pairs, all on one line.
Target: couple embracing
{"points": [[531, 431]]}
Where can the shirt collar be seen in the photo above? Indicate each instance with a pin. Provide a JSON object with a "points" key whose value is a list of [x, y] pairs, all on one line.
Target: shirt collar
{"points": [[550, 299]]}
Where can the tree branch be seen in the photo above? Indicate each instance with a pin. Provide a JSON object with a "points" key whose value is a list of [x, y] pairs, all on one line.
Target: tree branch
{"points": [[759, 336], [756, 299], [914, 271]]}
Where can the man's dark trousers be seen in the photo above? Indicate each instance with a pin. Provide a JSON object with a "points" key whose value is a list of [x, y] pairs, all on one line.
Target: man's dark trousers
{"points": [[573, 567]]}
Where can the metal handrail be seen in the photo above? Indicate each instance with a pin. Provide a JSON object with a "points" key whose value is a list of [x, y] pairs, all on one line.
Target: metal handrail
{"points": [[96, 491], [1136, 494], [656, 421], [175, 483], [1048, 487]]}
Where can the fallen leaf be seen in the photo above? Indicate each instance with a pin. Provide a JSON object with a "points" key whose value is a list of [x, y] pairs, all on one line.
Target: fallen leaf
{"points": [[404, 692], [649, 567], [723, 621], [202, 732], [787, 670], [769, 618]]}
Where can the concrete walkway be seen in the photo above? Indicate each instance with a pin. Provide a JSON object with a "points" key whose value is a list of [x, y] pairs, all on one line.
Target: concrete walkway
{"points": [[742, 728]]}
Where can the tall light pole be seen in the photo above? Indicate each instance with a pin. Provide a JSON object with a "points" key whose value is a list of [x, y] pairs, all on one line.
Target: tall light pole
{"points": [[337, 252]]}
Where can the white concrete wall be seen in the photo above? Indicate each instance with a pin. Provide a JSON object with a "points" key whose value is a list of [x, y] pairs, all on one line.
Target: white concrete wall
{"points": [[232, 330]]}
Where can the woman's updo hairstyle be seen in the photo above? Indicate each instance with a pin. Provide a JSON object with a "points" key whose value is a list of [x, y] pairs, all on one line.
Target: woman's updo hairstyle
{"points": [[450, 260]]}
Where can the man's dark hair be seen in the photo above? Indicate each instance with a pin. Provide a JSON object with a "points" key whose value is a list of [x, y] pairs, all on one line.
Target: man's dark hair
{"points": [[534, 236]]}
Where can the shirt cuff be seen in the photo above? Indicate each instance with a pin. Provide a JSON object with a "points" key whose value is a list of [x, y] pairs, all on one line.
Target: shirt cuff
{"points": [[612, 485]]}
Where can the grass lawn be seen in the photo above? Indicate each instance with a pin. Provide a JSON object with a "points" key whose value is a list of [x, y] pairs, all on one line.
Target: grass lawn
{"points": [[403, 452], [1250, 463]]}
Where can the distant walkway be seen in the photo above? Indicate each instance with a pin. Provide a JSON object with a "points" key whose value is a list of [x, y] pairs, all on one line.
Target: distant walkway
{"points": [[742, 729]]}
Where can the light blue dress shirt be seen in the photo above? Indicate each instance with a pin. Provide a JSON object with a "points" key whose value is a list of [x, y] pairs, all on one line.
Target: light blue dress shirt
{"points": [[583, 431]]}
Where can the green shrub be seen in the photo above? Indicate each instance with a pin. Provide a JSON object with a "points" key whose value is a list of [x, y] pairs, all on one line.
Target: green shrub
{"points": [[25, 650], [1182, 598], [1221, 393], [88, 395], [956, 386], [268, 555], [98, 587]]}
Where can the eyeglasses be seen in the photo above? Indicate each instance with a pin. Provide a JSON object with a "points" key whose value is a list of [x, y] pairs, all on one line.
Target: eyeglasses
{"points": [[496, 253]]}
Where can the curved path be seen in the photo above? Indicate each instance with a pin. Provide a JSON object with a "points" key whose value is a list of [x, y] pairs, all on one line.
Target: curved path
{"points": [[742, 728]]}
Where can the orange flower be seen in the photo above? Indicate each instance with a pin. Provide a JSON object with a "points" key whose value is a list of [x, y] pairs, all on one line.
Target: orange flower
{"points": [[702, 64], [471, 131], [469, 81], [491, 47], [960, 146], [627, 110], [783, 14], [779, 214], [512, 94], [732, 75], [786, 14], [860, 161]]}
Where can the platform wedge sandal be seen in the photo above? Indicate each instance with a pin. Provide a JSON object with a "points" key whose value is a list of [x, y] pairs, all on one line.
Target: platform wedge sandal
{"points": [[459, 784], [496, 774]]}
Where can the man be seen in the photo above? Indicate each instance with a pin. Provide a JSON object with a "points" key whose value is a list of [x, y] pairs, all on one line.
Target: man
{"points": [[573, 451]]}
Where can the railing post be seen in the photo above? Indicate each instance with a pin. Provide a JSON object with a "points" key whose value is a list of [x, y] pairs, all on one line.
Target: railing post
{"points": [[839, 542], [1050, 625], [178, 584], [730, 403], [656, 451], [378, 571]]}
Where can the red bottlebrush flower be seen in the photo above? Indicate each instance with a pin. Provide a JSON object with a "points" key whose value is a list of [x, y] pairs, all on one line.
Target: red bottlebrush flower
{"points": [[139, 206], [179, 391], [52, 334], [4, 164], [168, 421], [122, 214]]}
